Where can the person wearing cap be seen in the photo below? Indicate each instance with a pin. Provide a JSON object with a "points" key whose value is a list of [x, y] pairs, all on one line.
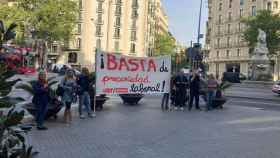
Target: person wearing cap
{"points": [[41, 99], [68, 83]]}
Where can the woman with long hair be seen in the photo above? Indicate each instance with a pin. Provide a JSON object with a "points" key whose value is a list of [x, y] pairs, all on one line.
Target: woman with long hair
{"points": [[41, 99], [68, 83], [83, 82]]}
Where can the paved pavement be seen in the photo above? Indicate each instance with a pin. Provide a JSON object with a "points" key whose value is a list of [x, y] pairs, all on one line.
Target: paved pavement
{"points": [[145, 131]]}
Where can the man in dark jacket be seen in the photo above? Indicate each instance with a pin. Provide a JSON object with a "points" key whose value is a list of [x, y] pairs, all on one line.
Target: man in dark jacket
{"points": [[194, 90], [181, 90], [84, 97]]}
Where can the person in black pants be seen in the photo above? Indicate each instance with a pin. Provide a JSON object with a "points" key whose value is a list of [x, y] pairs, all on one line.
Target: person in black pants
{"points": [[181, 82], [194, 91]]}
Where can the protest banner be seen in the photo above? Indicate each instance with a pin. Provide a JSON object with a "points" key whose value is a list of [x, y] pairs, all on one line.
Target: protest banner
{"points": [[119, 74]]}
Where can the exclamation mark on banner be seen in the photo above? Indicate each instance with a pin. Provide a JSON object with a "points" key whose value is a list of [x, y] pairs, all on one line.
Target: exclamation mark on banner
{"points": [[102, 61], [163, 86]]}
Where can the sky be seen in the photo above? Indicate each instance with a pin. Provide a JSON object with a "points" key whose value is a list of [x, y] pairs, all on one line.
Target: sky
{"points": [[183, 19]]}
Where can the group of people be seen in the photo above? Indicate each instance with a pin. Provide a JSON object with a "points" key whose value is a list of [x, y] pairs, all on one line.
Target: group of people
{"points": [[186, 89], [70, 88]]}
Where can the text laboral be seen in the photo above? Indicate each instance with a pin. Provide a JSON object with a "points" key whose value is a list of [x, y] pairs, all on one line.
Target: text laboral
{"points": [[119, 74]]}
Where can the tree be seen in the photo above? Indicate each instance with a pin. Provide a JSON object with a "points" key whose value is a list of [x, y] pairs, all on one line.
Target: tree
{"points": [[164, 45], [49, 20], [269, 23], [6, 34]]}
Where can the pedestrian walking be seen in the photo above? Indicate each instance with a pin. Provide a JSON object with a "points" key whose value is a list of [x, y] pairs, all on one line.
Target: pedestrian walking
{"points": [[41, 99], [212, 84], [69, 86], [84, 84], [181, 82], [194, 90]]}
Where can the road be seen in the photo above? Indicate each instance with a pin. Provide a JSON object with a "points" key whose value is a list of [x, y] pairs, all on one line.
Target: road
{"points": [[143, 131]]}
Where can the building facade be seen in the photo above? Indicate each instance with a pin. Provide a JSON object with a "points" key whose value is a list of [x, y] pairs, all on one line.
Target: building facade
{"points": [[125, 27], [228, 51]]}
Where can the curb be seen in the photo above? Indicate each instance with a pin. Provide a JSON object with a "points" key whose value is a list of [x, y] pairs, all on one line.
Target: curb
{"points": [[251, 98]]}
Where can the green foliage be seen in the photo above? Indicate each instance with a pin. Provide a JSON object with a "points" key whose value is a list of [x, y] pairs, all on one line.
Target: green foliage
{"points": [[12, 141], [50, 20], [269, 23], [6, 34], [164, 45]]}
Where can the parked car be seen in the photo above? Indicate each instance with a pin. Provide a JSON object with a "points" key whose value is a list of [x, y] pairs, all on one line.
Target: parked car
{"points": [[276, 87]]}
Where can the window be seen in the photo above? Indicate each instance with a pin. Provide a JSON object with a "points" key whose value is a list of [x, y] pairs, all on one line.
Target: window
{"points": [[98, 43], [117, 46], [275, 5], [238, 52], [80, 16], [220, 19], [72, 57], [133, 24], [98, 30], [241, 2], [228, 29], [118, 21], [132, 48], [230, 3], [79, 43], [218, 42], [117, 32], [133, 36], [134, 13], [99, 19], [228, 41], [220, 6], [135, 3], [241, 13], [99, 6], [81, 4], [217, 54], [227, 53], [118, 10], [79, 29], [219, 30], [269, 6], [239, 27], [54, 49], [229, 16], [254, 10]]}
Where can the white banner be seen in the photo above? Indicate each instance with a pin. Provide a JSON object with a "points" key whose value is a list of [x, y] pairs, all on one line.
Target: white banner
{"points": [[118, 74]]}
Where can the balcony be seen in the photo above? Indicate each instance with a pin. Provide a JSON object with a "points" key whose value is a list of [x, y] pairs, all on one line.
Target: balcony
{"points": [[135, 5], [118, 2], [117, 36], [99, 34], [99, 22], [118, 12], [100, 0], [99, 10]]}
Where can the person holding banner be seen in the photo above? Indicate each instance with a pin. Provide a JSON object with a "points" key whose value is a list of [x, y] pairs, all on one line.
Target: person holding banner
{"points": [[181, 82]]}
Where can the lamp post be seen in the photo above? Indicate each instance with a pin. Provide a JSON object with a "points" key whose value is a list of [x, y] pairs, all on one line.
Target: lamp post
{"points": [[199, 23]]}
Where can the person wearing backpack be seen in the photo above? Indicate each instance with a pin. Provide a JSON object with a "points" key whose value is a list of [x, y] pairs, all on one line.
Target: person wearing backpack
{"points": [[69, 86], [83, 82], [41, 99]]}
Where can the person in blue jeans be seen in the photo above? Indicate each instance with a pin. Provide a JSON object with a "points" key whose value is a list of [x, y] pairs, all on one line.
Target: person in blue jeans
{"points": [[83, 82], [212, 87], [41, 99]]}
